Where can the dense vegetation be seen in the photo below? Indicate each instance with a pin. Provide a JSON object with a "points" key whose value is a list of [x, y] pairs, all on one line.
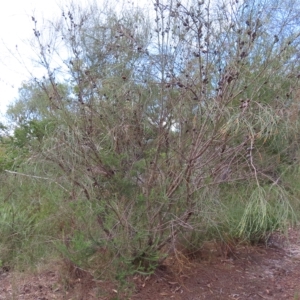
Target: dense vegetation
{"points": [[151, 132]]}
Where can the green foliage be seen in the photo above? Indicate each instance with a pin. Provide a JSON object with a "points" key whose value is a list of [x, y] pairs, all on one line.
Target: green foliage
{"points": [[27, 209], [78, 250], [265, 212]]}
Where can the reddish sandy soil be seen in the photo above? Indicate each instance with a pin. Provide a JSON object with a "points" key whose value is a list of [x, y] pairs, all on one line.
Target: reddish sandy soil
{"points": [[271, 272]]}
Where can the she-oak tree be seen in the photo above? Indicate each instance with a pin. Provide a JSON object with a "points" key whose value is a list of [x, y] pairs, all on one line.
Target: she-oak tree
{"points": [[155, 114]]}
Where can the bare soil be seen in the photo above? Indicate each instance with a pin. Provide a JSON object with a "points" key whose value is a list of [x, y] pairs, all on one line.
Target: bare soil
{"points": [[256, 272]]}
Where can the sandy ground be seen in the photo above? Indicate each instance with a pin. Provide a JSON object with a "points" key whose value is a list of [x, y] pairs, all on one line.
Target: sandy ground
{"points": [[258, 272]]}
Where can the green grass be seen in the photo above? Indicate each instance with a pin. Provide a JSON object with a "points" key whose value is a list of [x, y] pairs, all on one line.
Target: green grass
{"points": [[39, 222]]}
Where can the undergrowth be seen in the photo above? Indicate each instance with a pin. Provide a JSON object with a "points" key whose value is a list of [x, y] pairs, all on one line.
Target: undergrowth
{"points": [[40, 223]]}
